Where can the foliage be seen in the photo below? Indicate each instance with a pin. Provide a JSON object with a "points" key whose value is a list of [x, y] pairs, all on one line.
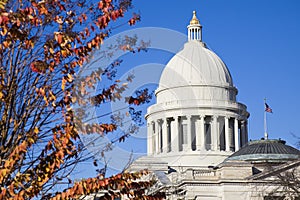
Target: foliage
{"points": [[43, 46]]}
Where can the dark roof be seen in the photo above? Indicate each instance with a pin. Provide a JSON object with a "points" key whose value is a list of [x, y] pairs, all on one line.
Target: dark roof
{"points": [[266, 150]]}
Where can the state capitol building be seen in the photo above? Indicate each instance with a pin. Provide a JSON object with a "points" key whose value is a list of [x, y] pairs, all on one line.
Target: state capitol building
{"points": [[197, 144]]}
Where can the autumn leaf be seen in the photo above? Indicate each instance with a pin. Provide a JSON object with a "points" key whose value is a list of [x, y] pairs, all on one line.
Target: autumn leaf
{"points": [[63, 84], [38, 66], [36, 130], [3, 4]]}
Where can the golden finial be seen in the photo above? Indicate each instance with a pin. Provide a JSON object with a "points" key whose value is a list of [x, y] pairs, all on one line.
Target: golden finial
{"points": [[194, 20]]}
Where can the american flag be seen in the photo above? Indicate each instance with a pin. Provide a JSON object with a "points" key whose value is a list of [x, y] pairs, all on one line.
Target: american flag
{"points": [[268, 109]]}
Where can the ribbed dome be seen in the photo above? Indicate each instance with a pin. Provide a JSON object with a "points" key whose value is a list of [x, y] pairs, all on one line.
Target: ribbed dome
{"points": [[195, 65], [266, 150]]}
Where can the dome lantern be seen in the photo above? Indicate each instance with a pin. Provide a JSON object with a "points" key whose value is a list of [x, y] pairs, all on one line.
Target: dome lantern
{"points": [[194, 29]]}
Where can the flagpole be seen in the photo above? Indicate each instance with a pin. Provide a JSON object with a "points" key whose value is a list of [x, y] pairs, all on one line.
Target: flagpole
{"points": [[265, 121]]}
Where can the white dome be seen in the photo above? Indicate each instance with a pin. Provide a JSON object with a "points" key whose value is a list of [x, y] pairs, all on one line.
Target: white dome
{"points": [[196, 73], [195, 65]]}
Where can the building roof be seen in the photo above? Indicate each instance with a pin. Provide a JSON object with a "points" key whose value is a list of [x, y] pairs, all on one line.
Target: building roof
{"points": [[266, 151]]}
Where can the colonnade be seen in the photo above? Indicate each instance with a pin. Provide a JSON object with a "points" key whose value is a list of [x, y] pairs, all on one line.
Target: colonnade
{"points": [[196, 133], [194, 33]]}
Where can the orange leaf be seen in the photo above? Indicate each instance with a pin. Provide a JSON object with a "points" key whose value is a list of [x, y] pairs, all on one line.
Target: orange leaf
{"points": [[36, 130], [63, 84], [6, 44], [59, 38]]}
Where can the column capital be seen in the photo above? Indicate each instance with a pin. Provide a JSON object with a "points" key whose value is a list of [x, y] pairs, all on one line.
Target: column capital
{"points": [[239, 118], [215, 117], [188, 116], [227, 117], [164, 119], [179, 118], [159, 121], [167, 119], [244, 122]]}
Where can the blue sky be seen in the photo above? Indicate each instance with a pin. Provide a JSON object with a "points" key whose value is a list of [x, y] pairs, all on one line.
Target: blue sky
{"points": [[257, 39]]}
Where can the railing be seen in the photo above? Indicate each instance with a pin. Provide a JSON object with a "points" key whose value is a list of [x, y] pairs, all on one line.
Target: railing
{"points": [[196, 174], [203, 172]]}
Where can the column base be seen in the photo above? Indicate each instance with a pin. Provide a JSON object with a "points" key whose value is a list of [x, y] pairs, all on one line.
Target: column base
{"points": [[186, 147], [200, 148]]}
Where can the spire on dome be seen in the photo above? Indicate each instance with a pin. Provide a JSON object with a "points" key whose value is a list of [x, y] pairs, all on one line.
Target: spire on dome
{"points": [[194, 20], [194, 29]]}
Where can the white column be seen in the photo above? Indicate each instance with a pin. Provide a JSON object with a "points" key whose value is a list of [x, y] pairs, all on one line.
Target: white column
{"points": [[165, 135], [180, 139], [149, 139], [174, 135], [218, 133], [236, 135], [212, 133], [200, 34], [189, 133], [198, 133], [154, 139], [227, 138], [157, 136], [215, 134], [202, 132], [244, 132]]}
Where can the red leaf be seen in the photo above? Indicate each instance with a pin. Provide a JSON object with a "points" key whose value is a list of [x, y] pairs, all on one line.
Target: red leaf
{"points": [[84, 16], [93, 28], [100, 5], [80, 19]]}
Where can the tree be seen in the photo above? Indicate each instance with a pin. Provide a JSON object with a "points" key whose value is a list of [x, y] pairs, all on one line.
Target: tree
{"points": [[287, 179], [43, 46], [280, 181]]}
